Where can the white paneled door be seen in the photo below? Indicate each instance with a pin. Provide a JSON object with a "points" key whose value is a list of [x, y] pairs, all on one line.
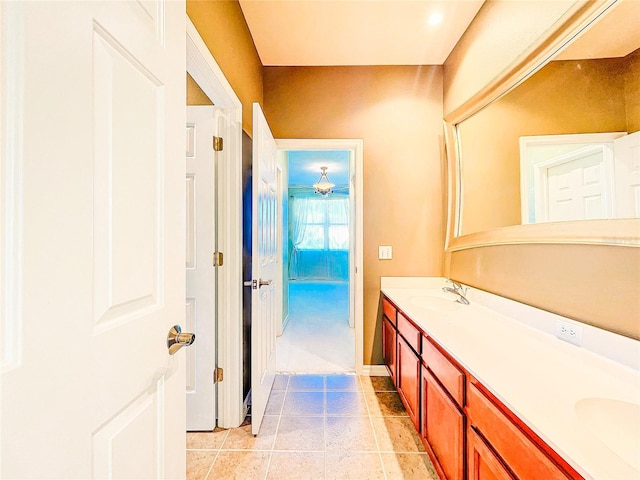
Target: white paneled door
{"points": [[201, 234], [93, 276], [627, 175], [266, 267]]}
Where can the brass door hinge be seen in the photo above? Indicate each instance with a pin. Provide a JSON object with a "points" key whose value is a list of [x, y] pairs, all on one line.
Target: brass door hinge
{"points": [[218, 375], [218, 259], [217, 144]]}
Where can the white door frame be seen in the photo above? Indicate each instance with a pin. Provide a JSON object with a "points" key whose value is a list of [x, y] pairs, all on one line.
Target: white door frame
{"points": [[356, 146], [208, 75]]}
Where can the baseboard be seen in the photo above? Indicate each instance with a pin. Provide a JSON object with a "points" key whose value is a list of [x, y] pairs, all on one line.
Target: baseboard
{"points": [[375, 371]]}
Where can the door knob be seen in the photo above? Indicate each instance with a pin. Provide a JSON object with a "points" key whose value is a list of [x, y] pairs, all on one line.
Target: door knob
{"points": [[177, 339], [256, 284]]}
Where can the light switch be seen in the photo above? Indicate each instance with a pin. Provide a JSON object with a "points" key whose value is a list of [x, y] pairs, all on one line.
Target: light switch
{"points": [[385, 252]]}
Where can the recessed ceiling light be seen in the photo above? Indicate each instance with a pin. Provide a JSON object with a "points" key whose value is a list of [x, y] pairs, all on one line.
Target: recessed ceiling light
{"points": [[435, 19]]}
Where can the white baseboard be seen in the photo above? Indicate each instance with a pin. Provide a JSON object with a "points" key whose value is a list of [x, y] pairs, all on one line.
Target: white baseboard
{"points": [[375, 371]]}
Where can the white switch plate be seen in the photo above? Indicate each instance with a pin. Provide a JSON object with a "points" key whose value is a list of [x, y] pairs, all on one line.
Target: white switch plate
{"points": [[385, 252]]}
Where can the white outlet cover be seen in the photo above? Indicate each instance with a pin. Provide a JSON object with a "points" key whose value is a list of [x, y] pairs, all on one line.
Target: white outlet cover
{"points": [[569, 332]]}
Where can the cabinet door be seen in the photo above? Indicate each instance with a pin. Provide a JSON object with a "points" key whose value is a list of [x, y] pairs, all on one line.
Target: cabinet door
{"points": [[443, 427], [483, 464], [389, 347], [408, 375]]}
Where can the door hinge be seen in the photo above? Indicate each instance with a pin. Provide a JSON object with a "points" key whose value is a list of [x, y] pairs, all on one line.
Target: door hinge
{"points": [[218, 259], [218, 375], [217, 144]]}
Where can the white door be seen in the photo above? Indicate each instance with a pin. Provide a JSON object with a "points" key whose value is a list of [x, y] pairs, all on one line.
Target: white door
{"points": [[201, 236], [265, 267], [627, 175], [575, 186], [93, 239]]}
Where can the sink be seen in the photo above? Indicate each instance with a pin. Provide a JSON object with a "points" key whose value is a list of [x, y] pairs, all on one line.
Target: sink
{"points": [[435, 302], [615, 423]]}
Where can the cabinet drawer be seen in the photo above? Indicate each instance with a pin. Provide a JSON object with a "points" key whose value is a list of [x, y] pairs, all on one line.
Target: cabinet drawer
{"points": [[389, 310], [411, 334], [449, 375], [523, 456]]}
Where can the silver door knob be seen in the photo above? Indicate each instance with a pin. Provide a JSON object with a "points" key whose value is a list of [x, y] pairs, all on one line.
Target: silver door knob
{"points": [[256, 284], [176, 339]]}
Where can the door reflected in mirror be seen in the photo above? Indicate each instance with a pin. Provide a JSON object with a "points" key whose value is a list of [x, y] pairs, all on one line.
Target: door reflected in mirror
{"points": [[569, 96]]}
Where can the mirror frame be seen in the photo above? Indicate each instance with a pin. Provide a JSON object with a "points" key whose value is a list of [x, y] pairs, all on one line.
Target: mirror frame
{"points": [[621, 232]]}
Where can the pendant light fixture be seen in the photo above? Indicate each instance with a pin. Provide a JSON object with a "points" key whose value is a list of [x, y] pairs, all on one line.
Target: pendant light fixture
{"points": [[323, 186]]}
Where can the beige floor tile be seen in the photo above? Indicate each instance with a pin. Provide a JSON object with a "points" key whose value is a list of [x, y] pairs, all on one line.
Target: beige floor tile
{"points": [[384, 404], [199, 463], [377, 384], [300, 433], [274, 404], [206, 440], [241, 438], [280, 382], [306, 383], [343, 382], [240, 466], [296, 466], [408, 466], [346, 403], [350, 434], [353, 466], [396, 434], [303, 403]]}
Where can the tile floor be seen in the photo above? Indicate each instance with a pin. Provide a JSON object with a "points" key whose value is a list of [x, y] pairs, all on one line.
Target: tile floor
{"points": [[318, 427], [317, 337]]}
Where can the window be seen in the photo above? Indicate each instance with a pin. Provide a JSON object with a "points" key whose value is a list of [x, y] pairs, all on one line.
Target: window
{"points": [[320, 223]]}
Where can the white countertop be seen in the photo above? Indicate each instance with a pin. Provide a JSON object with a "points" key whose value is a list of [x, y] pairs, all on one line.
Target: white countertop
{"points": [[550, 384]]}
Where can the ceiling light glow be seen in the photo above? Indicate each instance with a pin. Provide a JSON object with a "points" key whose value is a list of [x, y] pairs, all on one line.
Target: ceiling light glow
{"points": [[435, 19]]}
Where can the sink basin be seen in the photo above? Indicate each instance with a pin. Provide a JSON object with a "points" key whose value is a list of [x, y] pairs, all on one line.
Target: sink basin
{"points": [[435, 302], [615, 423]]}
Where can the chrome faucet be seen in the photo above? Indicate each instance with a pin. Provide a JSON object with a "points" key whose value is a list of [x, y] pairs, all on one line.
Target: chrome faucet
{"points": [[458, 290]]}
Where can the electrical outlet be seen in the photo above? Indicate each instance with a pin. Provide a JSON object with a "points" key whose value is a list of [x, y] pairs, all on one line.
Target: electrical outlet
{"points": [[569, 332]]}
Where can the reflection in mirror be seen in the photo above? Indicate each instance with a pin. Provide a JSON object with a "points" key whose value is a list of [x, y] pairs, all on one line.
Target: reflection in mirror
{"points": [[592, 87]]}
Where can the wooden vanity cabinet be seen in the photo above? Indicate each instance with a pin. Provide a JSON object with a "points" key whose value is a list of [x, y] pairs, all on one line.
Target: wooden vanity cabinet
{"points": [[443, 428], [468, 433], [513, 444], [389, 338], [408, 367], [483, 463], [389, 342]]}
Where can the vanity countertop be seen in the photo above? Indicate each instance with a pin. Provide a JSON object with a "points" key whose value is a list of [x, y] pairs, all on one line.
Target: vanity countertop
{"points": [[584, 405]]}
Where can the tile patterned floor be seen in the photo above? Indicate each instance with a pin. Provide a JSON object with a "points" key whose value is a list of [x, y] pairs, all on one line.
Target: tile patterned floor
{"points": [[317, 427]]}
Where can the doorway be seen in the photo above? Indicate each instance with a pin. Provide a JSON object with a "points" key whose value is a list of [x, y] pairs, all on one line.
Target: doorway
{"points": [[322, 258]]}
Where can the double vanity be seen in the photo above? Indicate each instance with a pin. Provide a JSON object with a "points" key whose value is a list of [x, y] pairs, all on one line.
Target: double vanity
{"points": [[495, 394]]}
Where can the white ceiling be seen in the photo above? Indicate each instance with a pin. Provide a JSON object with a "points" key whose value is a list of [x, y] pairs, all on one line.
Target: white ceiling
{"points": [[356, 32]]}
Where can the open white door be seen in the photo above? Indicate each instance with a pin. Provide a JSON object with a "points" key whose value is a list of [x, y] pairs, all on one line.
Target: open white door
{"points": [[265, 267], [93, 228], [201, 311]]}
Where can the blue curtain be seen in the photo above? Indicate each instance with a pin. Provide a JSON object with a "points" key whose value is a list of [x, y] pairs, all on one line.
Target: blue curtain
{"points": [[319, 233]]}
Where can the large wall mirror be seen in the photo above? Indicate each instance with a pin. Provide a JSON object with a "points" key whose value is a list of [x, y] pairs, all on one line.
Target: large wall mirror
{"points": [[557, 157]]}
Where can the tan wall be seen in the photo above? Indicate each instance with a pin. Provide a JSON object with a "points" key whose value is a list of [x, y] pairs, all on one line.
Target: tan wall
{"points": [[397, 111], [561, 98], [491, 44], [195, 95], [593, 284], [632, 92], [221, 25]]}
